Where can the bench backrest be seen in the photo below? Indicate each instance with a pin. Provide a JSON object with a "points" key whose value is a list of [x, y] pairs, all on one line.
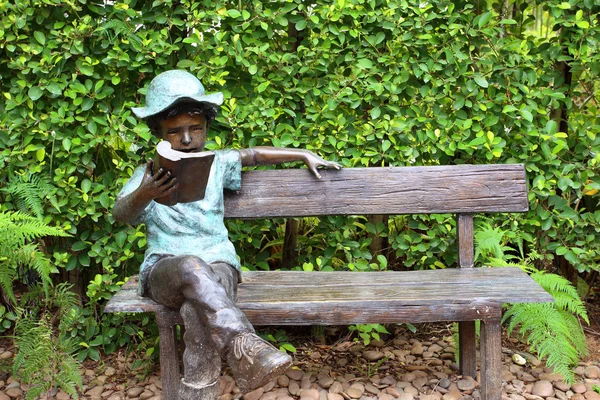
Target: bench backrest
{"points": [[459, 189], [389, 190]]}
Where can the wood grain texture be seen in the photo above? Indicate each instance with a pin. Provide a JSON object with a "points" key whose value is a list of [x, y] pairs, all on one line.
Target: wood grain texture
{"points": [[169, 356], [467, 349], [332, 298], [465, 239], [491, 360], [390, 190]]}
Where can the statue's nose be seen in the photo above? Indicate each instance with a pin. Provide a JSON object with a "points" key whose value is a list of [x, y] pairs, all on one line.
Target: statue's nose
{"points": [[186, 138]]}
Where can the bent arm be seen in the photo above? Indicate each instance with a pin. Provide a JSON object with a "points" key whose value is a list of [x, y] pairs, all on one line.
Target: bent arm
{"points": [[275, 155], [129, 208]]}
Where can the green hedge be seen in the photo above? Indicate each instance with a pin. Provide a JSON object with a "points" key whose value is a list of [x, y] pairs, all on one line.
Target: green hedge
{"points": [[366, 83]]}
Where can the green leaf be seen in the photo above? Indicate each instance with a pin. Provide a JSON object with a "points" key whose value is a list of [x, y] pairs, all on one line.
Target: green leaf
{"points": [[40, 153], [86, 184], [263, 86], [54, 88], [78, 246], [365, 63], [300, 25], [93, 354], [120, 238], [484, 19], [481, 81], [234, 13], [526, 115], [509, 108], [39, 36], [34, 93], [551, 127], [66, 144], [104, 201], [252, 69], [375, 112]]}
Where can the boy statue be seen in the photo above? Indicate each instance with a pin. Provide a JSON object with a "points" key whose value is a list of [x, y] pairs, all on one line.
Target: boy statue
{"points": [[190, 264]]}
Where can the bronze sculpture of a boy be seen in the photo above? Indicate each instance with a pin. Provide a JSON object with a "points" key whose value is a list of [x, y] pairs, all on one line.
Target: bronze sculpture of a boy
{"points": [[190, 264]]}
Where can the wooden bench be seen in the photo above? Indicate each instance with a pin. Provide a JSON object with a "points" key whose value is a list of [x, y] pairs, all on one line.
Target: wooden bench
{"points": [[463, 294]]}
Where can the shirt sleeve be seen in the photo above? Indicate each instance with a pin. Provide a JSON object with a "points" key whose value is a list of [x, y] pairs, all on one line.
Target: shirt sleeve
{"points": [[132, 184], [231, 162]]}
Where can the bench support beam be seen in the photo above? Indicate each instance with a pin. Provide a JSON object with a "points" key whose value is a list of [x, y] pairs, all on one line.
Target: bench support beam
{"points": [[467, 349], [491, 360], [169, 356]]}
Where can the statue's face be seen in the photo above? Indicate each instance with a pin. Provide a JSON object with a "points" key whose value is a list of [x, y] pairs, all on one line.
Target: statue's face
{"points": [[185, 132]]}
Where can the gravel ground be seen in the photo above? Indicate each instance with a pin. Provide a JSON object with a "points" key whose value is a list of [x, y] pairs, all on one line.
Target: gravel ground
{"points": [[405, 367]]}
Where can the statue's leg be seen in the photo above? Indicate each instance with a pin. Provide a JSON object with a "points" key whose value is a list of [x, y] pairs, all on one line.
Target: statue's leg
{"points": [[205, 294]]}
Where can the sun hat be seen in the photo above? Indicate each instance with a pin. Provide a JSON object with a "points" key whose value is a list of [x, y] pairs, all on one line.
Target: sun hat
{"points": [[171, 87]]}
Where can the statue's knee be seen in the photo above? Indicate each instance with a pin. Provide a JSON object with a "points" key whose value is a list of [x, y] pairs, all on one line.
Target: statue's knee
{"points": [[194, 269]]}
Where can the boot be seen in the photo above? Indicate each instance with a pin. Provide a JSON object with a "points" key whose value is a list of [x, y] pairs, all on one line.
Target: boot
{"points": [[254, 362]]}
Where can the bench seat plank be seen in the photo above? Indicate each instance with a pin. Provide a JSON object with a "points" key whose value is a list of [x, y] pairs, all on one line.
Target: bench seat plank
{"points": [[332, 298]]}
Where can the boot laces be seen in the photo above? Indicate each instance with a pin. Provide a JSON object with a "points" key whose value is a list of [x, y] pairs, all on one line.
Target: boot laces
{"points": [[241, 343]]}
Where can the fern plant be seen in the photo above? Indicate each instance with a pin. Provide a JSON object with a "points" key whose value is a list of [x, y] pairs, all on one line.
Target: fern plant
{"points": [[552, 330], [28, 192], [45, 354], [18, 253]]}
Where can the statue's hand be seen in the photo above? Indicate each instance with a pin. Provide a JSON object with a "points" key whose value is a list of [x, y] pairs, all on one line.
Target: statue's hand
{"points": [[313, 162], [157, 185]]}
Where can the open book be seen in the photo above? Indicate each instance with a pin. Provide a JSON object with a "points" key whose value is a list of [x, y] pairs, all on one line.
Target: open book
{"points": [[190, 169]]}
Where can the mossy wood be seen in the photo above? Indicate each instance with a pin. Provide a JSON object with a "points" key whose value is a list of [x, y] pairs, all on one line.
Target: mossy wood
{"points": [[332, 298]]}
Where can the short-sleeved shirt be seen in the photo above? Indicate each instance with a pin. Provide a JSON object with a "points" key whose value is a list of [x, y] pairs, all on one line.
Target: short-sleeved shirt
{"points": [[195, 228]]}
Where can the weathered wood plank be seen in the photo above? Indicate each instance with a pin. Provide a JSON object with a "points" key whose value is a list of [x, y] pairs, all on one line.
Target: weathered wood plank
{"points": [[467, 349], [390, 190], [466, 240], [307, 293], [382, 312], [491, 360]]}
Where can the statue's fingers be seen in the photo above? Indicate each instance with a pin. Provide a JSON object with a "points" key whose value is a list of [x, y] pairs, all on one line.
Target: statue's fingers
{"points": [[314, 171], [149, 166], [172, 187]]}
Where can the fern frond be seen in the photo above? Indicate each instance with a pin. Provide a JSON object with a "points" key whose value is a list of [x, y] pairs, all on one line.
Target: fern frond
{"points": [[43, 361], [565, 294], [488, 241], [552, 333], [29, 192]]}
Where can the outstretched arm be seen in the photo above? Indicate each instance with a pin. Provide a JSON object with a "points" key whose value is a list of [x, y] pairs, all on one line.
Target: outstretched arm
{"points": [[129, 207], [274, 155]]}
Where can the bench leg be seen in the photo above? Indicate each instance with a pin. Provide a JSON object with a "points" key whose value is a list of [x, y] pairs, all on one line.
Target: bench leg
{"points": [[169, 356], [491, 360], [467, 349]]}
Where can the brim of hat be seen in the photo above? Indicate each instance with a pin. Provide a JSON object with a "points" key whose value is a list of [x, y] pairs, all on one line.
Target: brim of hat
{"points": [[215, 99]]}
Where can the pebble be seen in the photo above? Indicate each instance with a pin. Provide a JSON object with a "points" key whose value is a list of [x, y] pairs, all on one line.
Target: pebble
{"points": [[293, 388], [334, 396], [336, 387], [356, 390], [254, 395], [578, 388], [373, 355], [14, 393], [543, 389], [466, 384], [592, 372], [5, 355], [518, 359], [295, 374]]}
